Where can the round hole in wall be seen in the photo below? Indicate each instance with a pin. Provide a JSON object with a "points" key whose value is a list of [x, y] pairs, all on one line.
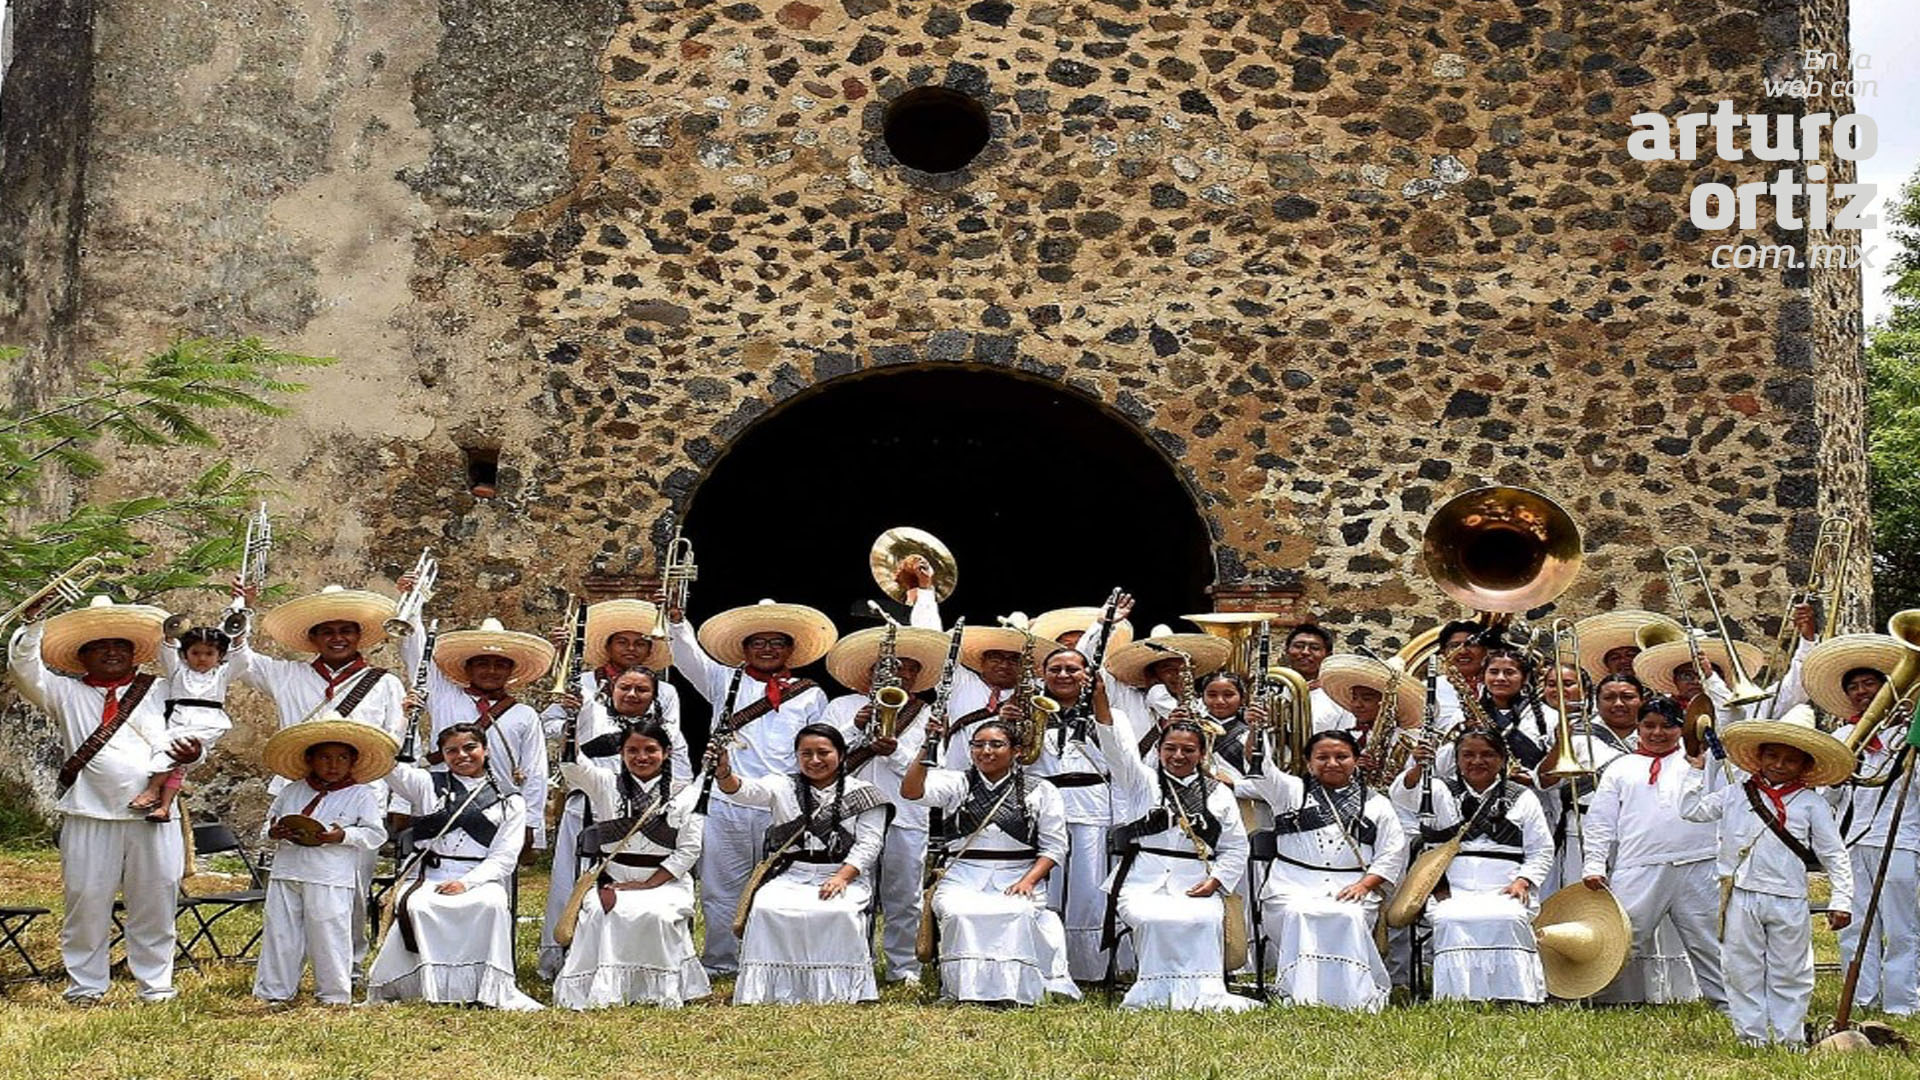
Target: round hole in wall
{"points": [[934, 129]]}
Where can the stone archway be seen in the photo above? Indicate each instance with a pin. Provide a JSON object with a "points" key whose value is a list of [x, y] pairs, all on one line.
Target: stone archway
{"points": [[1047, 498]]}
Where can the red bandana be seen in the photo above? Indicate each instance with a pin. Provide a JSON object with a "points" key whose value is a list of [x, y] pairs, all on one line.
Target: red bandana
{"points": [[321, 787], [336, 677], [777, 684], [1874, 744], [993, 699], [609, 672], [1778, 796], [112, 707], [1653, 774], [486, 703]]}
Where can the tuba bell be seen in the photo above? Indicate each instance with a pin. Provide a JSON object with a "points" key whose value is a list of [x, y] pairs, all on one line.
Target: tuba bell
{"points": [[1893, 705]]}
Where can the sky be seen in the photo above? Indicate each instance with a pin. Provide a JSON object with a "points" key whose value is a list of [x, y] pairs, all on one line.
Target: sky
{"points": [[1888, 32]]}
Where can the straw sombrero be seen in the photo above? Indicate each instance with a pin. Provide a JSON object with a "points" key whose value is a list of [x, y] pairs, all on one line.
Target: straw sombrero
{"points": [[1049, 625], [977, 641], [812, 632], [532, 655], [100, 620], [1601, 634], [1130, 664], [1828, 663], [610, 617], [1585, 937], [1654, 666], [1340, 673], [851, 661], [1832, 761], [286, 752], [288, 624]]}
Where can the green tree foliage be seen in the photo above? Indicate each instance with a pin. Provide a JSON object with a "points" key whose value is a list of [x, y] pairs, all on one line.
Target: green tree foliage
{"points": [[1893, 418], [171, 539]]}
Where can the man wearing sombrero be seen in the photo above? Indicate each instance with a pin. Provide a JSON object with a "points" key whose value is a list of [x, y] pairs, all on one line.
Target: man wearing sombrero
{"points": [[1843, 674], [1667, 666], [765, 642], [884, 762], [81, 667], [1771, 822], [619, 637]]}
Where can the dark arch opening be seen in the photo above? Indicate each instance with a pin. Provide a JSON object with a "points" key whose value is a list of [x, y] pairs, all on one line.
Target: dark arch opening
{"points": [[1046, 499], [935, 130]]}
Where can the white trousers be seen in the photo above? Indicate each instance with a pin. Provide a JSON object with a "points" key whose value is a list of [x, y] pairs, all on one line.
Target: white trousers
{"points": [[901, 864], [307, 921], [1074, 892], [730, 848], [1888, 972], [1689, 896], [141, 861], [1767, 959]]}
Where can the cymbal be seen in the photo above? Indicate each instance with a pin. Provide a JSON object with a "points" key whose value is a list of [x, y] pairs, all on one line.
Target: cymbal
{"points": [[305, 831], [901, 541]]}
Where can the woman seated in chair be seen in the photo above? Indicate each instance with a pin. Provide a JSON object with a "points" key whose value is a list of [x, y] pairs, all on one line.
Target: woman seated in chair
{"points": [[451, 937], [807, 936], [632, 937], [1484, 948], [1185, 848], [1341, 849], [1000, 832]]}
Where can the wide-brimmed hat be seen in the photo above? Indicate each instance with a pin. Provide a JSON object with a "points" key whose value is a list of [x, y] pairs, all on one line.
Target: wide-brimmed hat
{"points": [[1832, 762], [1654, 666], [812, 632], [1129, 664], [1827, 664], [1049, 625], [1340, 673], [1417, 885], [288, 624], [286, 752], [977, 641], [101, 620], [531, 654], [1601, 634], [610, 617], [851, 661], [1585, 937]]}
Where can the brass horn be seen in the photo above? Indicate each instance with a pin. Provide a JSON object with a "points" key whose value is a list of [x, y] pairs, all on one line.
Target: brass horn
{"points": [[1683, 561], [1886, 709], [898, 544], [1238, 629]]}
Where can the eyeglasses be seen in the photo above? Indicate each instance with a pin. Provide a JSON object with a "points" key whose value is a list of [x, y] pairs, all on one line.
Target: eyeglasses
{"points": [[768, 643], [988, 744]]}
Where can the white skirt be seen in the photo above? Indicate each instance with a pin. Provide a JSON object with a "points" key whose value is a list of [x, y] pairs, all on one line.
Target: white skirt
{"points": [[466, 951], [1325, 949], [1662, 977], [566, 847], [1484, 949], [1074, 891], [800, 948], [995, 947], [640, 953], [1178, 940]]}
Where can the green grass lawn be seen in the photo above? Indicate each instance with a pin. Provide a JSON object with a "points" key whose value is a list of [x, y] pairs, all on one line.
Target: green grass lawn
{"points": [[214, 1029]]}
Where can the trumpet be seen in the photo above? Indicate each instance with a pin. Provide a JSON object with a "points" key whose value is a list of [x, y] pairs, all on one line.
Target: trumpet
{"points": [[1826, 582], [426, 573], [677, 574], [66, 589], [889, 696], [1684, 560], [566, 666], [1893, 705], [253, 572], [1039, 709]]}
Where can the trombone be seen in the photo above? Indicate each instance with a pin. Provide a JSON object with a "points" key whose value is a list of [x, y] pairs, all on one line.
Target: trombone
{"points": [[66, 589], [1681, 561], [1827, 582]]}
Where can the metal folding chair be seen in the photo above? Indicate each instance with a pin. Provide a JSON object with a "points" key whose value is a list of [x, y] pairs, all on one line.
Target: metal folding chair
{"points": [[13, 925]]}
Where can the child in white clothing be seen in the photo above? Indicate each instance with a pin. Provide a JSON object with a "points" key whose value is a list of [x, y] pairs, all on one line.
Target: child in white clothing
{"points": [[196, 669]]}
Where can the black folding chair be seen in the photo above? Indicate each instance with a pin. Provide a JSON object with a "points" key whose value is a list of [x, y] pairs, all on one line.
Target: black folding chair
{"points": [[13, 925], [208, 909]]}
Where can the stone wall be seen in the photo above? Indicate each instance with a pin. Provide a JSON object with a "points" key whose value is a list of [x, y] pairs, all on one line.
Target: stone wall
{"points": [[1337, 260]]}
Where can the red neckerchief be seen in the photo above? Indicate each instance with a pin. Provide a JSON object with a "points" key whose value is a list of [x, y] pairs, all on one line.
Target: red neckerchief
{"points": [[487, 703], [1653, 774], [1778, 796], [777, 684], [336, 677], [609, 672], [112, 708], [993, 698], [321, 787]]}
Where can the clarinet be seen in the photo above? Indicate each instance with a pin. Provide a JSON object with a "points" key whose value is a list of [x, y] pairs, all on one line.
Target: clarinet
{"points": [[419, 693], [570, 737], [722, 735], [1258, 686], [1427, 720], [930, 750]]}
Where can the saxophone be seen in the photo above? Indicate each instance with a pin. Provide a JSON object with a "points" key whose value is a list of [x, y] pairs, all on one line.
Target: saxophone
{"points": [[1038, 708], [889, 696], [1385, 764]]}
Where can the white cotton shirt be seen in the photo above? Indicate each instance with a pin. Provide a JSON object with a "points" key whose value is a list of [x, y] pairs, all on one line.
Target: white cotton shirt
{"points": [[777, 794], [298, 691], [884, 771], [1328, 714], [946, 790], [123, 767], [498, 859], [602, 788], [1091, 805], [1768, 866], [764, 747], [1136, 793], [355, 810], [1327, 847], [1536, 839], [1635, 823], [1873, 806]]}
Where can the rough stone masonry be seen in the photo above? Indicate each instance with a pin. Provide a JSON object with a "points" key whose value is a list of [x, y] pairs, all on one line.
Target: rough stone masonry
{"points": [[1337, 260]]}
